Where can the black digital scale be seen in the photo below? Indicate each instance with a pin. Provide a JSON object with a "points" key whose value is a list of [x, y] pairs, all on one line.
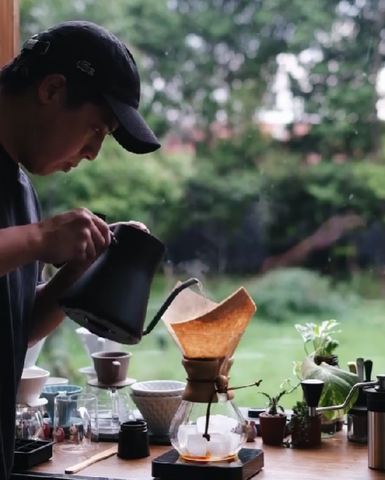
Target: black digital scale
{"points": [[170, 466]]}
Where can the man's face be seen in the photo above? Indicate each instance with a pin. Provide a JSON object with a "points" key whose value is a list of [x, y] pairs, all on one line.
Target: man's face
{"points": [[62, 135]]}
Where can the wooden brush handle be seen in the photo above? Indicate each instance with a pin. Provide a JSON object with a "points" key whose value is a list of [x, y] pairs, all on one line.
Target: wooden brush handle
{"points": [[90, 461], [352, 367]]}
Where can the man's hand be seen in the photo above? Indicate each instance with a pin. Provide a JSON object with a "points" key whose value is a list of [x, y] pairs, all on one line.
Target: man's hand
{"points": [[75, 236], [131, 223]]}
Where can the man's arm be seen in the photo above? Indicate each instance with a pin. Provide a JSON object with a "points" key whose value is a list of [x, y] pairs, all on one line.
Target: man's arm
{"points": [[18, 246], [47, 315]]}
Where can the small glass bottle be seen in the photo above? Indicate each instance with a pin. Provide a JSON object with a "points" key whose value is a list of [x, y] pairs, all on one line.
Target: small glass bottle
{"points": [[330, 427], [358, 424]]}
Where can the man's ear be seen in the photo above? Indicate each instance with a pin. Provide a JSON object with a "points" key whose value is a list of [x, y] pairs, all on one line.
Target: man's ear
{"points": [[52, 89]]}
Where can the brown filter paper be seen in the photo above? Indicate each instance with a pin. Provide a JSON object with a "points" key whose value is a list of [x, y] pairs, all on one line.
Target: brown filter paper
{"points": [[204, 329]]}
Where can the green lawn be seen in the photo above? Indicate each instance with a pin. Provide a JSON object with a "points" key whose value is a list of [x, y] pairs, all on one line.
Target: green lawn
{"points": [[265, 352]]}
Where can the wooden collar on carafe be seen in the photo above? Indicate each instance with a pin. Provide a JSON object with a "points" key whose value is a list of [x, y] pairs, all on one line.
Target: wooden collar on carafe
{"points": [[204, 383]]}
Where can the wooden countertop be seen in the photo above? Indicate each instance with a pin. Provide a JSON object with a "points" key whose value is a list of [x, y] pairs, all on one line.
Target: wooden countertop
{"points": [[336, 459]]}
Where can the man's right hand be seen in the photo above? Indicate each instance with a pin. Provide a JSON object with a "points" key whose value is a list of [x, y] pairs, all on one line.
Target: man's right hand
{"points": [[75, 236]]}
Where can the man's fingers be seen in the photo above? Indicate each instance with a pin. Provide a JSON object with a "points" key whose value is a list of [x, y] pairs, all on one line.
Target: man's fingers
{"points": [[103, 229]]}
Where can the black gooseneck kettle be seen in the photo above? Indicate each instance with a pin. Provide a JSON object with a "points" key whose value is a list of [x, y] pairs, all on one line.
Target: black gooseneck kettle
{"points": [[110, 299]]}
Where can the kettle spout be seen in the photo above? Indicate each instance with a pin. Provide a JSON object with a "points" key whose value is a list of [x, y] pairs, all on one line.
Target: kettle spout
{"points": [[168, 302]]}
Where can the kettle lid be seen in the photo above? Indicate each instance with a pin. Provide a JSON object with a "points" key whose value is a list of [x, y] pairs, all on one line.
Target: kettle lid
{"points": [[376, 395]]}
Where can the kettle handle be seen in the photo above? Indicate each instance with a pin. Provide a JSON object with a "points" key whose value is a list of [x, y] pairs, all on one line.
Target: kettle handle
{"points": [[167, 303]]}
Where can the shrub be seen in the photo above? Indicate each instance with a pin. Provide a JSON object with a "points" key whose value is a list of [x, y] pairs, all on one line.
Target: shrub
{"points": [[284, 294]]}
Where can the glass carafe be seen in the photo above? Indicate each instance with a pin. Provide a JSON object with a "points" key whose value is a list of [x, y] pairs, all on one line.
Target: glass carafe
{"points": [[207, 426], [114, 408]]}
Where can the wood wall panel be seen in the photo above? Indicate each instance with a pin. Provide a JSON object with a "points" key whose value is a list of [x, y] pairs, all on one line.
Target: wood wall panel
{"points": [[9, 30]]}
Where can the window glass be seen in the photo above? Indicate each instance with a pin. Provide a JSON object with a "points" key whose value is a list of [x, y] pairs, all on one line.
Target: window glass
{"points": [[270, 177]]}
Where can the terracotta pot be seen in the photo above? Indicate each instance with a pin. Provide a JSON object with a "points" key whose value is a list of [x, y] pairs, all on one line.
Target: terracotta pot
{"points": [[312, 438], [329, 359], [272, 428]]}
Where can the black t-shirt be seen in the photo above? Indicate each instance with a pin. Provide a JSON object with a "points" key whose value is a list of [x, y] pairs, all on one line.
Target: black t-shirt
{"points": [[19, 205]]}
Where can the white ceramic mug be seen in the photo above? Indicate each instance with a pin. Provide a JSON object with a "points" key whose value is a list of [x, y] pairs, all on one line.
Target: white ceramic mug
{"points": [[92, 343]]}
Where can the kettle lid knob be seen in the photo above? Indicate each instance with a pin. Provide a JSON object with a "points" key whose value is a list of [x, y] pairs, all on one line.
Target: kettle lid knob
{"points": [[381, 381]]}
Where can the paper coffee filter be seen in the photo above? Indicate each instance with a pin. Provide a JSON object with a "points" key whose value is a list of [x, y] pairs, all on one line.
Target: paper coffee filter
{"points": [[188, 305], [200, 346], [216, 329]]}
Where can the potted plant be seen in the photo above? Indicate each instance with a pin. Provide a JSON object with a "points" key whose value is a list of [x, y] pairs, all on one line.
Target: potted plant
{"points": [[305, 431], [272, 422], [322, 363], [323, 343]]}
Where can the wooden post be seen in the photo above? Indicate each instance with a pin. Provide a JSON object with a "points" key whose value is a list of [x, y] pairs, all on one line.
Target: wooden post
{"points": [[9, 30]]}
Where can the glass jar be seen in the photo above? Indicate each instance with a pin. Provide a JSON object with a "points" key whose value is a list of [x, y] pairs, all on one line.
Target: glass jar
{"points": [[114, 408], [358, 425], [29, 423]]}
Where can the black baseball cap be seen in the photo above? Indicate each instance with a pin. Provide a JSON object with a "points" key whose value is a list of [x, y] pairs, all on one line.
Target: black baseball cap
{"points": [[90, 54]]}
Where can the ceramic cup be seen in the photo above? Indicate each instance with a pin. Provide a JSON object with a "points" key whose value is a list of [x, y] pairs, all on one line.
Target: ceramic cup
{"points": [[111, 367]]}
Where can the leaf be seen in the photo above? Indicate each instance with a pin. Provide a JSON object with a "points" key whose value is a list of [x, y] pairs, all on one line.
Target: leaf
{"points": [[337, 385], [284, 383], [266, 395], [307, 331], [297, 368], [281, 394], [330, 346], [327, 326]]}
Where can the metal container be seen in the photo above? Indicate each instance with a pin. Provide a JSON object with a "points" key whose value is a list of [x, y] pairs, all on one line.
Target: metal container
{"points": [[376, 424]]}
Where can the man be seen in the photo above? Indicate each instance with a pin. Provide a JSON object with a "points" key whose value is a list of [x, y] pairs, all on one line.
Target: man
{"points": [[70, 87]]}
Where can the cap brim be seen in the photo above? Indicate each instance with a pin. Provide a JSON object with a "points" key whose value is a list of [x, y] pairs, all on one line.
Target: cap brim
{"points": [[133, 133]]}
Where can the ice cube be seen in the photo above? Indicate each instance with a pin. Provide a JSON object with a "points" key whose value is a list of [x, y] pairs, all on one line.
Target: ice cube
{"points": [[217, 424], [197, 445], [219, 445], [214, 424], [235, 441], [228, 424], [183, 432]]}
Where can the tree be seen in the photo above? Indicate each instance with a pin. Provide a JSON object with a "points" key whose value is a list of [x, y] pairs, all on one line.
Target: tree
{"points": [[339, 84]]}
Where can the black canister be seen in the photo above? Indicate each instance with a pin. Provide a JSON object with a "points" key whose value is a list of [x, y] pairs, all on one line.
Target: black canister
{"points": [[133, 440], [358, 424]]}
